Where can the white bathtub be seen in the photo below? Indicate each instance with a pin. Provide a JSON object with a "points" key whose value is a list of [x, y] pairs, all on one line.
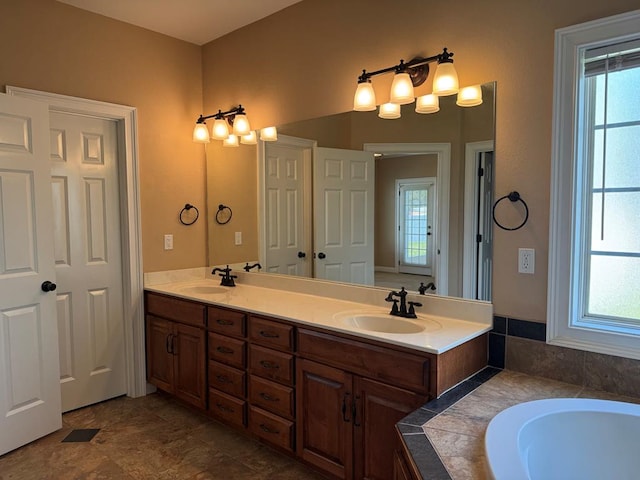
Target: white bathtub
{"points": [[565, 439]]}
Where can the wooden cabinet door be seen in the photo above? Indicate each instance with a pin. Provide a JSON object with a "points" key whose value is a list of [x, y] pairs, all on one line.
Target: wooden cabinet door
{"points": [[378, 408], [324, 428], [159, 357], [189, 364]]}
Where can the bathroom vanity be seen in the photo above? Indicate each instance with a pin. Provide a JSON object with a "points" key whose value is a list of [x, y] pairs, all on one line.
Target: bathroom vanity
{"points": [[289, 367]]}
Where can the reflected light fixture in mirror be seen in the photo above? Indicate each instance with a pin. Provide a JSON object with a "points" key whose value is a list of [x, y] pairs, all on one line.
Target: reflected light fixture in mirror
{"points": [[269, 134], [237, 118], [469, 96], [427, 104], [249, 139], [389, 111], [231, 141]]}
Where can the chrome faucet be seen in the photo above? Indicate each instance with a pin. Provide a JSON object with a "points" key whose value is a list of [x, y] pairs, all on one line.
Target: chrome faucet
{"points": [[402, 311], [227, 278]]}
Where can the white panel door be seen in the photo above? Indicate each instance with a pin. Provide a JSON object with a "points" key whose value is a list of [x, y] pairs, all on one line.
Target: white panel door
{"points": [[343, 215], [29, 388], [88, 260], [287, 245]]}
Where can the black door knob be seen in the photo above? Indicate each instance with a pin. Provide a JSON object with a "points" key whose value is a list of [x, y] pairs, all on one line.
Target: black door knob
{"points": [[301, 254], [48, 286], [321, 256]]}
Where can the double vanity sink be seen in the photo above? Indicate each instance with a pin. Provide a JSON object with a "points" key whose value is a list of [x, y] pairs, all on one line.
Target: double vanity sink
{"points": [[319, 370]]}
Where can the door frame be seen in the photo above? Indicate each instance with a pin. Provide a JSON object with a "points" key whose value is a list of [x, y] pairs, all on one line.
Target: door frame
{"points": [[309, 151], [129, 185], [470, 215], [400, 182], [443, 182]]}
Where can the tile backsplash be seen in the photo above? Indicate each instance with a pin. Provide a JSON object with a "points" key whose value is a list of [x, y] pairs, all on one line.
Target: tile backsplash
{"points": [[520, 345]]}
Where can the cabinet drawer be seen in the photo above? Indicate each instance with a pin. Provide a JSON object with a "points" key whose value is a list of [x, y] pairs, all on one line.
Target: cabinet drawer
{"points": [[271, 364], [392, 366], [271, 396], [227, 322], [225, 407], [227, 350], [228, 379], [271, 333], [175, 309], [270, 427]]}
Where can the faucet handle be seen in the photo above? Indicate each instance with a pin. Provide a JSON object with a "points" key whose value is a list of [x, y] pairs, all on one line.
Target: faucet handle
{"points": [[412, 310]]}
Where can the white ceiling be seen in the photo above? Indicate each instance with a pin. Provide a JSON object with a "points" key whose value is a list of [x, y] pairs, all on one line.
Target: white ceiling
{"points": [[196, 21]]}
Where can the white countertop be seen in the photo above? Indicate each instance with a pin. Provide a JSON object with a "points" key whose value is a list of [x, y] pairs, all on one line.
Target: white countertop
{"points": [[441, 333]]}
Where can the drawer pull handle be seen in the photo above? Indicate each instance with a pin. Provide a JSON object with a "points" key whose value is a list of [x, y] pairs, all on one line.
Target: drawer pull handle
{"points": [[268, 334], [269, 365], [224, 408], [268, 397], [344, 408], [354, 411], [267, 429], [223, 379], [221, 321], [225, 350]]}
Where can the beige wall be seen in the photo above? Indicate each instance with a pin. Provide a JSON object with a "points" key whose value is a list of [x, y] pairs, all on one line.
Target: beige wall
{"points": [[303, 62], [49, 46]]}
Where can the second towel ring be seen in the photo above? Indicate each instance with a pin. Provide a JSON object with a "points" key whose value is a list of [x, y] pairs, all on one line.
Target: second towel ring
{"points": [[224, 214], [514, 197], [186, 208]]}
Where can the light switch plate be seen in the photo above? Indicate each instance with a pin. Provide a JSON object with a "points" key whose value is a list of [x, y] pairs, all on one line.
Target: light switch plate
{"points": [[168, 242], [238, 238]]}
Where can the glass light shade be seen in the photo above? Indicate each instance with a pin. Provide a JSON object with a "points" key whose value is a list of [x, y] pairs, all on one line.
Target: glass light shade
{"points": [[427, 104], [220, 129], [241, 125], [365, 98], [231, 141], [445, 80], [469, 96], [389, 111], [401, 89], [269, 134], [201, 133], [250, 139]]}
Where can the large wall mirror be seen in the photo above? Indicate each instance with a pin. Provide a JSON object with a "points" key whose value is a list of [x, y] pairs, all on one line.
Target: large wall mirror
{"points": [[355, 198]]}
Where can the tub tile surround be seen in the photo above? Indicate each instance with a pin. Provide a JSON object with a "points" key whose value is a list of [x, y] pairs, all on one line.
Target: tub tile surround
{"points": [[520, 345], [455, 434]]}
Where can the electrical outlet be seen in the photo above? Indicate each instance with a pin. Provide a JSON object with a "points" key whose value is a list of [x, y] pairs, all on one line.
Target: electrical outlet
{"points": [[526, 260], [168, 242], [238, 238]]}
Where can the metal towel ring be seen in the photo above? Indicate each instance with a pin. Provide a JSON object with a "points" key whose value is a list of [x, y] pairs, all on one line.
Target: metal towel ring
{"points": [[186, 208], [514, 197], [224, 214]]}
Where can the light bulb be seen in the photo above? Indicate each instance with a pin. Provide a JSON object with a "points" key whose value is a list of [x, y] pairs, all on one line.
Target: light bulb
{"points": [[269, 134], [469, 96], [201, 133], [365, 98], [249, 139], [427, 104], [389, 111], [445, 80], [220, 129], [241, 125], [401, 89], [230, 141]]}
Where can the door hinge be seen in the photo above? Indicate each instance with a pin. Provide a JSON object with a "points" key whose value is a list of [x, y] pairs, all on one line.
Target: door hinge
{"points": [[479, 238], [480, 171]]}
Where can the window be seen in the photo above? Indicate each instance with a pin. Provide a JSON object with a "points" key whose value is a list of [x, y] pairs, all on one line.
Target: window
{"points": [[594, 261]]}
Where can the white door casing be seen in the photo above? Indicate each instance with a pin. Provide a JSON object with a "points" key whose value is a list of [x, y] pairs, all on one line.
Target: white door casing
{"points": [[29, 370], [87, 241], [441, 216], [130, 215], [343, 187], [287, 181]]}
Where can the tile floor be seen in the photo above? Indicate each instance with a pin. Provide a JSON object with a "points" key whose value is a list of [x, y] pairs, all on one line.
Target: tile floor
{"points": [[152, 437]]}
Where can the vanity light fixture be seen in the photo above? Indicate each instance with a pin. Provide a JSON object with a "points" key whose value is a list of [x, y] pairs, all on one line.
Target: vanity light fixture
{"points": [[241, 129], [409, 75]]}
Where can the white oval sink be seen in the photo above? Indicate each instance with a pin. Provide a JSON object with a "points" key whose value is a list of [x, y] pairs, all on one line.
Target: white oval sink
{"points": [[384, 323], [203, 289]]}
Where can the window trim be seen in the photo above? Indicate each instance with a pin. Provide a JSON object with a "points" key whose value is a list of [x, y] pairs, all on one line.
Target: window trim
{"points": [[564, 286]]}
